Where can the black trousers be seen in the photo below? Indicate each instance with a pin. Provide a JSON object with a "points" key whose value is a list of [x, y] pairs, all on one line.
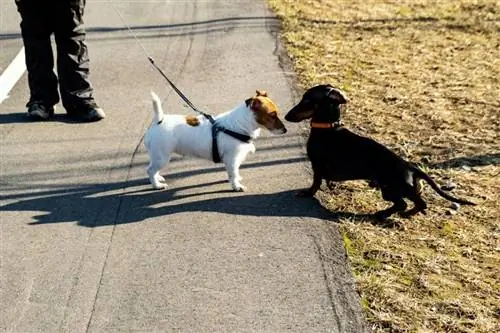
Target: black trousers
{"points": [[63, 18]]}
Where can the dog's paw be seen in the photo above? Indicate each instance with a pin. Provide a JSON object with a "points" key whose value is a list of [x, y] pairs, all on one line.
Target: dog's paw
{"points": [[412, 212], [382, 215], [331, 185], [161, 179], [305, 193], [160, 186], [239, 188]]}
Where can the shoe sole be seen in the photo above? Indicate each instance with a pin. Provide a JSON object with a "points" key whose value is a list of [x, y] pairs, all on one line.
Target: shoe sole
{"points": [[39, 115], [95, 116]]}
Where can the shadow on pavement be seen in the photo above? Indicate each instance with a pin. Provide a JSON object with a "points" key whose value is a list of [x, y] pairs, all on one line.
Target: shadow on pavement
{"points": [[229, 23], [22, 117], [122, 202], [14, 118], [220, 24]]}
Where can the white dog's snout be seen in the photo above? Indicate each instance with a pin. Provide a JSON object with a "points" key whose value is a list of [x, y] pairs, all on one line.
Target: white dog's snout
{"points": [[279, 130]]}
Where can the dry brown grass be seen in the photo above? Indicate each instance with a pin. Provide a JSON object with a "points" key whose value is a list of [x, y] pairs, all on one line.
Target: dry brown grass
{"points": [[423, 78]]}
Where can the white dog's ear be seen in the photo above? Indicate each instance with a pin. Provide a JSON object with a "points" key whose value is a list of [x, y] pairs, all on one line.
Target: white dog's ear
{"points": [[256, 104], [337, 95], [262, 93]]}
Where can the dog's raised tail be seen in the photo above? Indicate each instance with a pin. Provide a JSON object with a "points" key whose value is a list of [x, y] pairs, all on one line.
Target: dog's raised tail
{"points": [[422, 175], [157, 109]]}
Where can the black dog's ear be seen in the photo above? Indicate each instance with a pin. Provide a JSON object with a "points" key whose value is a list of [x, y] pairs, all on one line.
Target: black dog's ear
{"points": [[337, 95]]}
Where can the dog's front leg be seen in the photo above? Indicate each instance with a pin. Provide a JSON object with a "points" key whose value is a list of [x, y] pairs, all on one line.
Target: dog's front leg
{"points": [[317, 179], [232, 164]]}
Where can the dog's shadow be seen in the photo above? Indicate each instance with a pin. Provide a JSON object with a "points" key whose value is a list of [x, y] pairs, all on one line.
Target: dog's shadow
{"points": [[121, 203]]}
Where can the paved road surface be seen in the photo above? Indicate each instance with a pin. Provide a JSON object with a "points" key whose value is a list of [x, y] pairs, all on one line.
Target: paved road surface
{"points": [[86, 246]]}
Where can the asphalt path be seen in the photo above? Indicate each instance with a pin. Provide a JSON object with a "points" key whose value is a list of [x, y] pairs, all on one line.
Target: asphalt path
{"points": [[88, 246]]}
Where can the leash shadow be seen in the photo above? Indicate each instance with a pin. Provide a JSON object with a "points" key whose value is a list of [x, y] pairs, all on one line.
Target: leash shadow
{"points": [[213, 25]]}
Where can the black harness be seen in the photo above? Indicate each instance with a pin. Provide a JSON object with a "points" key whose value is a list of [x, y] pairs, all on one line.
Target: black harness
{"points": [[216, 128]]}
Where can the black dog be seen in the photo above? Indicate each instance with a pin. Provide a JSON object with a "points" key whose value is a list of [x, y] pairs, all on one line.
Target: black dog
{"points": [[337, 154]]}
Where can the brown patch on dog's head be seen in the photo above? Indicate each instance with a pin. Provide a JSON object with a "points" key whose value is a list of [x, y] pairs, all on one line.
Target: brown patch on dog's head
{"points": [[266, 112], [192, 121]]}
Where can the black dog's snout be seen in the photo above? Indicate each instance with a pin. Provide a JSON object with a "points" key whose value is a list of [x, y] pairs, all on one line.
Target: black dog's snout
{"points": [[292, 115]]}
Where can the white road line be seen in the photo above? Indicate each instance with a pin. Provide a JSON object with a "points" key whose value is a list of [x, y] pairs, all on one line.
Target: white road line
{"points": [[11, 75]]}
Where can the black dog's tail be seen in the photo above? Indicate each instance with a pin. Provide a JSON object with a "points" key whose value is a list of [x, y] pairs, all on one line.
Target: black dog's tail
{"points": [[422, 175]]}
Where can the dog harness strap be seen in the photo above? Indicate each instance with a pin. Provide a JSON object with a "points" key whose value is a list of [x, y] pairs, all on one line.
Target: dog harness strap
{"points": [[237, 136], [216, 128], [215, 148], [209, 117]]}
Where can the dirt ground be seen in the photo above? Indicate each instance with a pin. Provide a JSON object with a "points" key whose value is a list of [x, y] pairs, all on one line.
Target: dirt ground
{"points": [[423, 78]]}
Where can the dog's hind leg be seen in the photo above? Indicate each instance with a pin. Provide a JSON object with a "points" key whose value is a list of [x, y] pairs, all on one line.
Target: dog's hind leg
{"points": [[420, 206], [157, 162], [399, 204], [415, 196], [153, 171], [159, 155]]}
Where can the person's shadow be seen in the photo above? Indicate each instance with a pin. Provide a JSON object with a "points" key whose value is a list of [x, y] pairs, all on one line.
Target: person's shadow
{"points": [[22, 117], [128, 202], [14, 118]]}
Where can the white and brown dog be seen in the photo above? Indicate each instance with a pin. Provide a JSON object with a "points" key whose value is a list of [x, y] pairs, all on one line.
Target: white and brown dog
{"points": [[192, 135]]}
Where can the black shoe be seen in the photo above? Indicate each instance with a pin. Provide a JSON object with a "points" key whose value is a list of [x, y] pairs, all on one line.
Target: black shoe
{"points": [[39, 111], [89, 115]]}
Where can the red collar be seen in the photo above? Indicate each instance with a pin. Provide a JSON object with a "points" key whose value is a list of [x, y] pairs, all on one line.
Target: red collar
{"points": [[326, 125]]}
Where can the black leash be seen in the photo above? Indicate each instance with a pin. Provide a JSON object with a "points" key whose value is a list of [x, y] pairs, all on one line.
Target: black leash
{"points": [[181, 95], [216, 128], [184, 98]]}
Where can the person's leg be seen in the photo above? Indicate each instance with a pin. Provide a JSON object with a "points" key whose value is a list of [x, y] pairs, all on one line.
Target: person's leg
{"points": [[73, 61], [36, 29]]}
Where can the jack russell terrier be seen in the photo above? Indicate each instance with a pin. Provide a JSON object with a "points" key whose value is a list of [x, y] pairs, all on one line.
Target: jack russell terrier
{"points": [[198, 136]]}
